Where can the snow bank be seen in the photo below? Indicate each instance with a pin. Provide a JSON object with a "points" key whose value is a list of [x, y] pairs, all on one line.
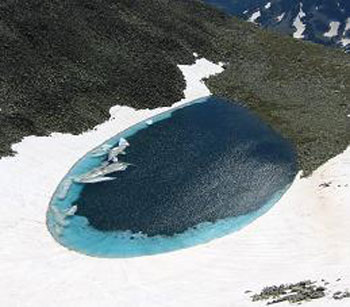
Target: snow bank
{"points": [[280, 17], [345, 40], [298, 24], [333, 29], [304, 236], [254, 16]]}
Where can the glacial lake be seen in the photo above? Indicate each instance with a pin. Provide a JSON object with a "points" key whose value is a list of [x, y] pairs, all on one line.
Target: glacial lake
{"points": [[196, 173]]}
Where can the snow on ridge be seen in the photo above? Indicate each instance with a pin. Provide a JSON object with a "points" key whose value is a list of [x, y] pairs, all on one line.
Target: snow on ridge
{"points": [[298, 24], [333, 29], [254, 16], [268, 5], [280, 17], [347, 25], [345, 40]]}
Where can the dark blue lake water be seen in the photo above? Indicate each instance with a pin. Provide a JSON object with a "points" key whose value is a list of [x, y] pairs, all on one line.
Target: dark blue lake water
{"points": [[197, 173]]}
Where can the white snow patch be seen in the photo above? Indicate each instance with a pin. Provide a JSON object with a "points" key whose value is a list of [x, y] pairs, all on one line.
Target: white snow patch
{"points": [[254, 16], [347, 25], [268, 5], [333, 29], [345, 40], [305, 235], [194, 74], [280, 17], [298, 24]]}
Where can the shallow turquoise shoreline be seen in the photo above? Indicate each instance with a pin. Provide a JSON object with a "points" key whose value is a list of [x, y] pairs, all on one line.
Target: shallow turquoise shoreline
{"points": [[74, 232]]}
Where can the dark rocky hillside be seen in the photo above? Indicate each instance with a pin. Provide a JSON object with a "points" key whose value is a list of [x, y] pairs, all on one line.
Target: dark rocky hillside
{"points": [[301, 89], [63, 64]]}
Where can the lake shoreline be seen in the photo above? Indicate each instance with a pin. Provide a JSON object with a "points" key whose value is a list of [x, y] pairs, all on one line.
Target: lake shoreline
{"points": [[304, 236], [230, 143]]}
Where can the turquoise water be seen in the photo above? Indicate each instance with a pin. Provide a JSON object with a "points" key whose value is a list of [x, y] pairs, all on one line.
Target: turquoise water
{"points": [[238, 166]]}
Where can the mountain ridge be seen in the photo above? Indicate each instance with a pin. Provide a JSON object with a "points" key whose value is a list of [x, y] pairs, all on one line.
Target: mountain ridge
{"points": [[321, 21]]}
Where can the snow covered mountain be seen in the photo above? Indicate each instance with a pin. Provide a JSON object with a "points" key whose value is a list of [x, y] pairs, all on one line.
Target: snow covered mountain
{"points": [[321, 21]]}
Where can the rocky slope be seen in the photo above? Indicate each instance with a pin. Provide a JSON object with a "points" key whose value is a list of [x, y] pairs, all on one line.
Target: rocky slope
{"points": [[64, 64]]}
